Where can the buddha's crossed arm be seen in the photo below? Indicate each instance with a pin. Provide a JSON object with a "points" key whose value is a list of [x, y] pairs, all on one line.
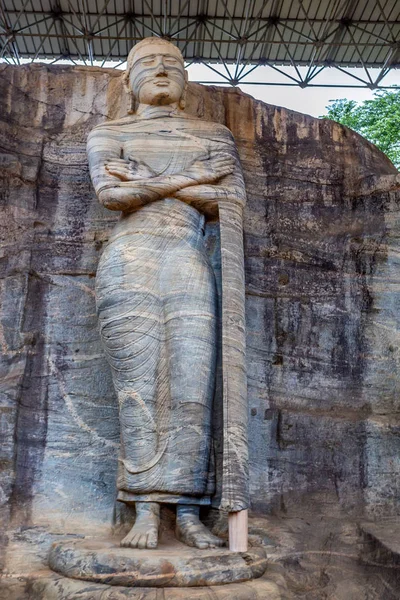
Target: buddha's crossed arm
{"points": [[125, 185], [207, 196]]}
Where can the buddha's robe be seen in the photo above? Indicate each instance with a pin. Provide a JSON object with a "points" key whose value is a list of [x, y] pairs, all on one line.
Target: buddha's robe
{"points": [[157, 308]]}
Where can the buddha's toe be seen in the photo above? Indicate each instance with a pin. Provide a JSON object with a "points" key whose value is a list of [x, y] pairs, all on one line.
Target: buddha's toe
{"points": [[195, 534], [135, 541], [206, 540], [144, 533], [142, 541], [127, 541]]}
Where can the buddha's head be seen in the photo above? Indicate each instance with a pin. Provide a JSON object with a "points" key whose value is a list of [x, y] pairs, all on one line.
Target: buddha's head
{"points": [[155, 74]]}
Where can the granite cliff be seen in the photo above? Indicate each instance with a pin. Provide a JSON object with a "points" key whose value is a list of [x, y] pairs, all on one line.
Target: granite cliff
{"points": [[322, 282]]}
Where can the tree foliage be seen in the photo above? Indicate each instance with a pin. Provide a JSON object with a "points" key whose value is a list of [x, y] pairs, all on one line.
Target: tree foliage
{"points": [[377, 120]]}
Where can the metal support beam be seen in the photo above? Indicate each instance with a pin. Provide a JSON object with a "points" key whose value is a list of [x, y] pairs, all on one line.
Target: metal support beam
{"points": [[240, 37]]}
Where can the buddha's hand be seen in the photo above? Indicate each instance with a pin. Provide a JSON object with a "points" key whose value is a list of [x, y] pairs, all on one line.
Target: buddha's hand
{"points": [[129, 170], [211, 167]]}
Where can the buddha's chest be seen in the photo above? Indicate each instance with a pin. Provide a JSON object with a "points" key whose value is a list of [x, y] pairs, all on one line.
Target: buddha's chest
{"points": [[165, 149]]}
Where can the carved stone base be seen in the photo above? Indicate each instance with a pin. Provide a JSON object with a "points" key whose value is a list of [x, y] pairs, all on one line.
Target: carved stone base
{"points": [[172, 565], [62, 588]]}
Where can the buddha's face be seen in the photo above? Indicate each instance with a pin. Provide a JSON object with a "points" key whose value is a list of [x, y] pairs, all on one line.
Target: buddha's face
{"points": [[157, 76]]}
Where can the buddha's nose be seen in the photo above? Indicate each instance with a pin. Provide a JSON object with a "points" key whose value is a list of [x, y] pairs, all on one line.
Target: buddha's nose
{"points": [[161, 71]]}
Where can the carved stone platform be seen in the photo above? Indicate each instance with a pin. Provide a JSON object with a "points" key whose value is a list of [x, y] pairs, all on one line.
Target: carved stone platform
{"points": [[381, 548], [172, 565], [62, 588], [383, 540]]}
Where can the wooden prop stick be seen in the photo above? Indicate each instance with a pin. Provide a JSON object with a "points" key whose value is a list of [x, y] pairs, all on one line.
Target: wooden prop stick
{"points": [[235, 492], [238, 531]]}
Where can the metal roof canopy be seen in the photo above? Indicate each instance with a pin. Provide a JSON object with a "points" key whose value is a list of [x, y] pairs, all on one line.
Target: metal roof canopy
{"points": [[233, 38]]}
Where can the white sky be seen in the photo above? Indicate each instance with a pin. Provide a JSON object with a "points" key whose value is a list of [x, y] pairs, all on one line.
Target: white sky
{"points": [[311, 100]]}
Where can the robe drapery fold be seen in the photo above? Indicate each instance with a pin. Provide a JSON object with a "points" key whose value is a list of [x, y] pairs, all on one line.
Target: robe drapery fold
{"points": [[131, 263], [235, 474]]}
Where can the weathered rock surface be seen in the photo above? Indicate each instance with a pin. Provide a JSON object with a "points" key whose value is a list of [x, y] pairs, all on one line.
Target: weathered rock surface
{"points": [[322, 277]]}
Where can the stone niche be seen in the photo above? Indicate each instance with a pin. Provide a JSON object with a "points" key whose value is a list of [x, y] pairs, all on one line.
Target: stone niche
{"points": [[322, 227]]}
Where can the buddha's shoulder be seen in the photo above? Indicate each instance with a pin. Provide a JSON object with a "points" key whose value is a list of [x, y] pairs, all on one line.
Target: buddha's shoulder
{"points": [[115, 126], [207, 127], [201, 122], [184, 121]]}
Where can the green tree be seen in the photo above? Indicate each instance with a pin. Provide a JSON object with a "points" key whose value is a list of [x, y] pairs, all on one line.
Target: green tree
{"points": [[377, 120]]}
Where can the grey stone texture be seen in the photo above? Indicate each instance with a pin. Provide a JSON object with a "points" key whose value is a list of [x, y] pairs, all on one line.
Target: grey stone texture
{"points": [[322, 307]]}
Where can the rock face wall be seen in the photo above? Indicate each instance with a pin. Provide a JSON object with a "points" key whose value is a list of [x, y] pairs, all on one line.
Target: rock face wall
{"points": [[322, 278]]}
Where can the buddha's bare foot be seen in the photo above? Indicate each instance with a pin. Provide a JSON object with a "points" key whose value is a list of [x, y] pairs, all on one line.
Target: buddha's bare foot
{"points": [[144, 533], [191, 531]]}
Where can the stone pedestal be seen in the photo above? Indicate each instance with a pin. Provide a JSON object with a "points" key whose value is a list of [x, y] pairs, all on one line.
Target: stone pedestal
{"points": [[172, 564], [381, 548], [62, 588]]}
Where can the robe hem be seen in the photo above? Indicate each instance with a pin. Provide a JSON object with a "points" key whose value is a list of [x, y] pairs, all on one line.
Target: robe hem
{"points": [[164, 498]]}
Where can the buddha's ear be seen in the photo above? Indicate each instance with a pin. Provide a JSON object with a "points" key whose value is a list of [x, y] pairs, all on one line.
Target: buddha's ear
{"points": [[132, 103], [182, 101], [131, 95]]}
